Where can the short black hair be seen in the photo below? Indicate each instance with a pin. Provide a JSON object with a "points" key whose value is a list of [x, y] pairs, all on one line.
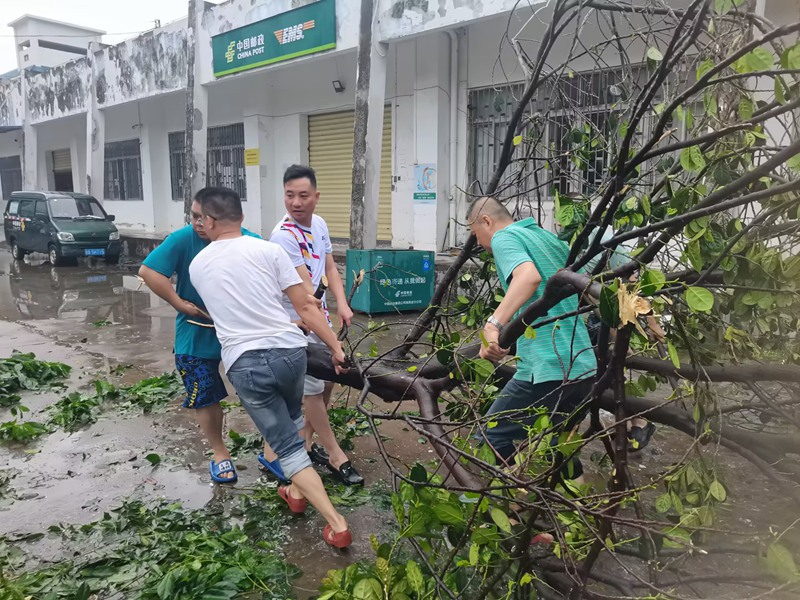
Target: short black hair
{"points": [[300, 172], [220, 203]]}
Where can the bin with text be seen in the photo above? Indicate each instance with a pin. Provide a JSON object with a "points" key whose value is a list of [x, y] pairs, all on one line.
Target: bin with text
{"points": [[394, 280]]}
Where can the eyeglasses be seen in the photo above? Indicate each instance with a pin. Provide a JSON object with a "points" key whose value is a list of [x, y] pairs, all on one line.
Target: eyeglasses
{"points": [[200, 219]]}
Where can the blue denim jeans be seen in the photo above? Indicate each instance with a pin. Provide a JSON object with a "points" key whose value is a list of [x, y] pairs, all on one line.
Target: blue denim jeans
{"points": [[521, 403], [270, 385]]}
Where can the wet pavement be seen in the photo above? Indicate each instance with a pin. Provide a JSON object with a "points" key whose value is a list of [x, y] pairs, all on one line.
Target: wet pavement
{"points": [[96, 317]]}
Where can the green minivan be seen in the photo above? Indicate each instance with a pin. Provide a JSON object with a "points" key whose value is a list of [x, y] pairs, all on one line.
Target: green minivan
{"points": [[64, 225]]}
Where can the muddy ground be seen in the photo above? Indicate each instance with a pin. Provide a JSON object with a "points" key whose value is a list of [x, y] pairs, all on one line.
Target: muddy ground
{"points": [[96, 317]]}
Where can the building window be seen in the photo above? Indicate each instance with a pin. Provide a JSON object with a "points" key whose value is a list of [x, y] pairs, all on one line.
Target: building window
{"points": [[10, 175], [177, 163], [578, 113], [226, 158], [123, 163]]}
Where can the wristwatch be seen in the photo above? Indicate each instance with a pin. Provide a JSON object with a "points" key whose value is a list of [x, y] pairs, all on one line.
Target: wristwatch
{"points": [[496, 323]]}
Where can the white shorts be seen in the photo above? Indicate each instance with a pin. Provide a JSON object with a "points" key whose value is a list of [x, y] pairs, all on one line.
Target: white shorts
{"points": [[313, 386]]}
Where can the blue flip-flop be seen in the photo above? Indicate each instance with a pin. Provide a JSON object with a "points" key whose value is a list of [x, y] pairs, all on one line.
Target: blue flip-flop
{"points": [[274, 468], [223, 466]]}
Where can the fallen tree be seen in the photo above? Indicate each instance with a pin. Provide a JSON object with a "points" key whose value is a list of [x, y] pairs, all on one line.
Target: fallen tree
{"points": [[695, 134]]}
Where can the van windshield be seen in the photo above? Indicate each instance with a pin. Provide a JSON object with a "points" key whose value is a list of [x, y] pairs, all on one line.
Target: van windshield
{"points": [[76, 208]]}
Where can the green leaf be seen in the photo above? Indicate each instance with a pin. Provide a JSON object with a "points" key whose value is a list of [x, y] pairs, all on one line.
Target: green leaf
{"points": [[780, 563], [500, 519], [448, 514], [672, 351], [663, 503], [474, 552], [414, 576], [693, 253], [399, 508], [609, 305], [794, 163], [704, 68], [530, 333], [746, 109], [692, 159], [760, 59], [368, 589], [717, 491], [790, 59], [412, 369], [153, 458], [699, 299], [723, 6], [652, 281], [164, 587], [485, 535], [566, 214], [654, 54], [483, 368], [780, 90]]}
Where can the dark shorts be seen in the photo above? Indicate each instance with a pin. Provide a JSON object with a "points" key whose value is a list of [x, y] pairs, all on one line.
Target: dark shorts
{"points": [[201, 378]]}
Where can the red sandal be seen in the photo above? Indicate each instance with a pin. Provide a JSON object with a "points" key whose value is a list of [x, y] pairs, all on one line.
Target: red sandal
{"points": [[296, 505], [338, 540]]}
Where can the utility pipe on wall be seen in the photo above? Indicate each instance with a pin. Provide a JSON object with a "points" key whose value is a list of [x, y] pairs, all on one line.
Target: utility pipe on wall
{"points": [[452, 176]]}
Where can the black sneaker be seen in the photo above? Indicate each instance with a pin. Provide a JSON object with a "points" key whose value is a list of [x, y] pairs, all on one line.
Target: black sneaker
{"points": [[346, 474]]}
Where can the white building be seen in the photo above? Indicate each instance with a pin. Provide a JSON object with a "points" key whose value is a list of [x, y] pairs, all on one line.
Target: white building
{"points": [[274, 85]]}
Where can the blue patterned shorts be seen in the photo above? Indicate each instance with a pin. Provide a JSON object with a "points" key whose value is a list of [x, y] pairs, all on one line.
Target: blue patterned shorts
{"points": [[201, 378]]}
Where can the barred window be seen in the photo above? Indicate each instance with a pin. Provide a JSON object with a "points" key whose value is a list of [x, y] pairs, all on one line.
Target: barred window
{"points": [[177, 163], [123, 165], [559, 119], [226, 158]]}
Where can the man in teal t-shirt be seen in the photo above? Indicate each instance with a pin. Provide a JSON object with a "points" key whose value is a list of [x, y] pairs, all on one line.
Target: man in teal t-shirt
{"points": [[197, 350], [556, 367]]}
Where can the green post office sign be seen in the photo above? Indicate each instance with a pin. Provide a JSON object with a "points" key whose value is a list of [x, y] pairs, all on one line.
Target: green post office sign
{"points": [[301, 31]]}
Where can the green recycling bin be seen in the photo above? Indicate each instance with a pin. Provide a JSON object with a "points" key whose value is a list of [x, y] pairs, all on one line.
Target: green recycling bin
{"points": [[394, 280]]}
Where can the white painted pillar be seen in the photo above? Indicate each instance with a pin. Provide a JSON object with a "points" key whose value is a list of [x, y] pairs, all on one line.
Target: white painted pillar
{"points": [[432, 116], [290, 142], [46, 174], [75, 162], [95, 133], [404, 148], [30, 143]]}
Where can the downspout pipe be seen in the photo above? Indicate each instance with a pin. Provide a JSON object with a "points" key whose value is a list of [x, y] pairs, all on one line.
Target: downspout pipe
{"points": [[453, 175]]}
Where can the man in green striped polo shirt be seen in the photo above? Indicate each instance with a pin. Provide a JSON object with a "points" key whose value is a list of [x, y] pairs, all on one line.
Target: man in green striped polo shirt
{"points": [[556, 368]]}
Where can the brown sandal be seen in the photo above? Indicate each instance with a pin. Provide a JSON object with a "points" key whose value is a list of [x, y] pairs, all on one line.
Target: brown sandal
{"points": [[296, 505], [338, 540]]}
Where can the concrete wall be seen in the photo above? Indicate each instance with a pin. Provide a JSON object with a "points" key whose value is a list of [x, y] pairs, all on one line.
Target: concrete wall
{"points": [[33, 29], [151, 64], [60, 92], [11, 106], [403, 18]]}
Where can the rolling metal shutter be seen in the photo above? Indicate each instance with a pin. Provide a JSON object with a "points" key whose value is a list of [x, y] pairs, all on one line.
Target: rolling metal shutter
{"points": [[330, 154], [62, 161]]}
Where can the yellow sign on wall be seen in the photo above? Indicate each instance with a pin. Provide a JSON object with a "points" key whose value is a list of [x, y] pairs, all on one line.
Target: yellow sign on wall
{"points": [[251, 157]]}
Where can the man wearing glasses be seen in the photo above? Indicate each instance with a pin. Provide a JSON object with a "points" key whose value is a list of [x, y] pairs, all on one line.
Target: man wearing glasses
{"points": [[197, 350]]}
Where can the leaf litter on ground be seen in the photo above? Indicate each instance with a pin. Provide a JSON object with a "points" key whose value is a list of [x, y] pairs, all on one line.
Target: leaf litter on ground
{"points": [[159, 550], [25, 372], [77, 409]]}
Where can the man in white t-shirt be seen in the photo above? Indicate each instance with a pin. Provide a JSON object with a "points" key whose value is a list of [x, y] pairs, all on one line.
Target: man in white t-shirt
{"points": [[241, 281], [305, 238]]}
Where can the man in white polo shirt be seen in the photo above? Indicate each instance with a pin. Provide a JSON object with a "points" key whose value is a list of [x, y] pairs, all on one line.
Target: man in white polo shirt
{"points": [[305, 238]]}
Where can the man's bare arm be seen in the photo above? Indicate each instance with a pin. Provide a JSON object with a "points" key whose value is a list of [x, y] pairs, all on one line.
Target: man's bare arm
{"points": [[161, 286]]}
